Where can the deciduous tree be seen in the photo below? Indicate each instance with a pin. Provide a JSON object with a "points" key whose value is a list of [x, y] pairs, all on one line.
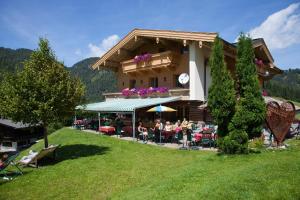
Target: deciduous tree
{"points": [[42, 93]]}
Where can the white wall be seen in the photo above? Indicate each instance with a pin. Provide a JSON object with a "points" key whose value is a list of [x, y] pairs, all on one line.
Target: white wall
{"points": [[197, 72], [208, 80]]}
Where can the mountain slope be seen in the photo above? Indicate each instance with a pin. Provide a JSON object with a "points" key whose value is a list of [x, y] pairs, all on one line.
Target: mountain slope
{"points": [[11, 60], [286, 85], [96, 81]]}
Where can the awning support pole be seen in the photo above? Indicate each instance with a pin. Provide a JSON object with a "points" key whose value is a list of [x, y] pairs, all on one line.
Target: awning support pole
{"points": [[133, 124], [75, 119], [160, 125], [99, 121]]}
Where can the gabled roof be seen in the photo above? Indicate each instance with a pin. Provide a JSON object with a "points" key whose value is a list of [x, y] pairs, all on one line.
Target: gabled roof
{"points": [[261, 42], [166, 34]]}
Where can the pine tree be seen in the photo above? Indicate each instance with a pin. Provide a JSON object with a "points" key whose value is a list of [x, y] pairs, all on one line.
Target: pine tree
{"points": [[221, 96], [251, 108]]}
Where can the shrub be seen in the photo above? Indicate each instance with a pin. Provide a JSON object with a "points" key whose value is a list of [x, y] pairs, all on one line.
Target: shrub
{"points": [[235, 143], [256, 143]]}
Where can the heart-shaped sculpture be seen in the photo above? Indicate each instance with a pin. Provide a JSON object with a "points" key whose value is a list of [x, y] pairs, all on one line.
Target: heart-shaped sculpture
{"points": [[279, 118]]}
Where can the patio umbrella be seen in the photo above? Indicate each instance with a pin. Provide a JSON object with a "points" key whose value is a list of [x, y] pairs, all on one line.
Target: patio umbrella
{"points": [[161, 109]]}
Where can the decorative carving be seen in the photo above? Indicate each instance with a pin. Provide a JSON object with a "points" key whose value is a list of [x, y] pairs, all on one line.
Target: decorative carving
{"points": [[279, 118]]}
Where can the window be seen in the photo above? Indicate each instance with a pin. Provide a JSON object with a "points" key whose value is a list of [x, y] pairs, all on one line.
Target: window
{"points": [[132, 83], [153, 82], [141, 81], [165, 79], [176, 81]]}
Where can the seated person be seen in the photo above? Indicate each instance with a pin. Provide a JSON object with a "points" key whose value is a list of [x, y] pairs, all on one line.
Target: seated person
{"points": [[184, 126], [2, 160], [168, 127], [142, 131], [157, 128], [177, 127]]}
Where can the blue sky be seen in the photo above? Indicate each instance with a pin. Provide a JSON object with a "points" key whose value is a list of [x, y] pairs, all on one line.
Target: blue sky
{"points": [[79, 29]]}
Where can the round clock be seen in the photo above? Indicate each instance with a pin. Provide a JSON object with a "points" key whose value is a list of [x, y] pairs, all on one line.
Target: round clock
{"points": [[183, 78]]}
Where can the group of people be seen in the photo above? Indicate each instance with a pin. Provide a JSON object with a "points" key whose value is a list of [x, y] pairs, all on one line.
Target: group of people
{"points": [[185, 127]]}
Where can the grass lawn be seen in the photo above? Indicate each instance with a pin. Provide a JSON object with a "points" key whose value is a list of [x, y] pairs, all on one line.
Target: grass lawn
{"points": [[90, 166]]}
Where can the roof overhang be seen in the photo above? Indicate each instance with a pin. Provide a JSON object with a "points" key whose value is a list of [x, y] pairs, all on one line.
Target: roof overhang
{"points": [[125, 105], [135, 34]]}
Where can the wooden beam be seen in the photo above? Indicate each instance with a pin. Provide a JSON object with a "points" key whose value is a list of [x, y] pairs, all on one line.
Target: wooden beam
{"points": [[168, 43], [125, 52], [110, 63], [200, 44]]}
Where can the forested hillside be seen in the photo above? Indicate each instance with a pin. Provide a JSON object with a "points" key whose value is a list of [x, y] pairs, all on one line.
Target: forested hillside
{"points": [[96, 81], [286, 85], [11, 60]]}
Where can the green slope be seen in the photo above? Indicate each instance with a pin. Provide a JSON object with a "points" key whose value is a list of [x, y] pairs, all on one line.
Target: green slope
{"points": [[90, 166]]}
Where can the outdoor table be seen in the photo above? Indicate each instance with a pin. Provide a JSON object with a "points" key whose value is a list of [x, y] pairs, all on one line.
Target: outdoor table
{"points": [[198, 137], [168, 134], [109, 130]]}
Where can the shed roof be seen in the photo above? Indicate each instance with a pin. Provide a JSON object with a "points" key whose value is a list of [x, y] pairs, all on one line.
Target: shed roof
{"points": [[15, 125], [125, 105]]}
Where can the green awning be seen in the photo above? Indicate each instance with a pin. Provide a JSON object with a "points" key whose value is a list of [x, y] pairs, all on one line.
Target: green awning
{"points": [[125, 105]]}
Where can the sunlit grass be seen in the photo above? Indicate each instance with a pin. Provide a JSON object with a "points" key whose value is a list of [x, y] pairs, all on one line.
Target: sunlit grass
{"points": [[90, 166]]}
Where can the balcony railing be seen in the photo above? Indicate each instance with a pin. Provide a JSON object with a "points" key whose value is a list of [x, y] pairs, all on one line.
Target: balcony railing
{"points": [[158, 60], [183, 93]]}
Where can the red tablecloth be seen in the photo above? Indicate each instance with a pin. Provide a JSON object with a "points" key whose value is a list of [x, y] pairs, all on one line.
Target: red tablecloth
{"points": [[168, 134], [107, 129], [198, 137]]}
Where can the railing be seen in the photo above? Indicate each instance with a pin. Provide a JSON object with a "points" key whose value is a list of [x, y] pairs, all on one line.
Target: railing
{"points": [[158, 60], [183, 93]]}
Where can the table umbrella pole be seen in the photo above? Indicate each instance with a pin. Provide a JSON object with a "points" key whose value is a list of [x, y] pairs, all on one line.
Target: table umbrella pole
{"points": [[160, 128]]}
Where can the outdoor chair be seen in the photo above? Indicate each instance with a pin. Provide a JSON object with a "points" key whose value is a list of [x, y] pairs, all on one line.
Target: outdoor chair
{"points": [[178, 137], [33, 157], [151, 135], [207, 140], [159, 136], [10, 162]]}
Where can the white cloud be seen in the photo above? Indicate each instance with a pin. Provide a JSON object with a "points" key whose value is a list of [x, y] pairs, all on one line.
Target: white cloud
{"points": [[104, 46], [281, 29]]}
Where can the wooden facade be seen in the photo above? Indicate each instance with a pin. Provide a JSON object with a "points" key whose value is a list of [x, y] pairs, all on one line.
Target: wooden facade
{"points": [[170, 57]]}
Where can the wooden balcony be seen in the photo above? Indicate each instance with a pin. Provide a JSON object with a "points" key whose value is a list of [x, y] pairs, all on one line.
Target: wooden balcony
{"points": [[166, 59], [184, 94]]}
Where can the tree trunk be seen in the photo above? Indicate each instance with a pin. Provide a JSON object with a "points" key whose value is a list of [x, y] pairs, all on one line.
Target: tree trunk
{"points": [[46, 135]]}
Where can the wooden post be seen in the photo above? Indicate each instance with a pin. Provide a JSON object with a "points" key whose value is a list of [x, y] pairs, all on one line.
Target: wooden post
{"points": [[133, 124], [99, 121]]}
